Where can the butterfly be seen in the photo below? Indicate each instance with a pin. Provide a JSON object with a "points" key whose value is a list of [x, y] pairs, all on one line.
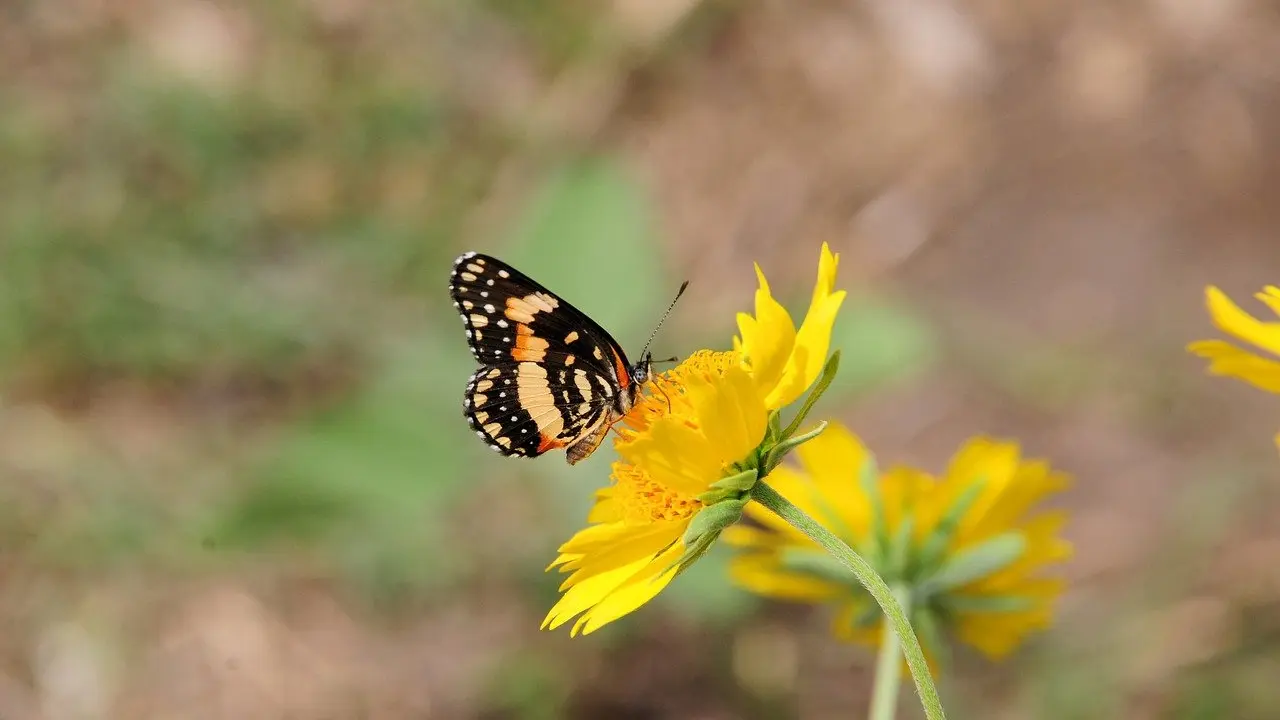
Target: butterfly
{"points": [[550, 377]]}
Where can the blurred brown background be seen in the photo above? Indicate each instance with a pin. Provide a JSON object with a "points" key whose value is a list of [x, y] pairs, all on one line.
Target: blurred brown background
{"points": [[234, 477]]}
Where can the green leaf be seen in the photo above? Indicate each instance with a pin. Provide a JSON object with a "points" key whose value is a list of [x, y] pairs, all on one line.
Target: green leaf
{"points": [[368, 480], [588, 237], [976, 562]]}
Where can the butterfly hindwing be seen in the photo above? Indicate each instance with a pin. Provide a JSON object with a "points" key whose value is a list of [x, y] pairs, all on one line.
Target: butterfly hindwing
{"points": [[526, 409], [549, 375]]}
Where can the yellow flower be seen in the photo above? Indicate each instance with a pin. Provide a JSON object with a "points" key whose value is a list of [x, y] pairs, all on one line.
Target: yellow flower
{"points": [[783, 360], [1260, 366], [965, 549], [690, 451], [705, 416]]}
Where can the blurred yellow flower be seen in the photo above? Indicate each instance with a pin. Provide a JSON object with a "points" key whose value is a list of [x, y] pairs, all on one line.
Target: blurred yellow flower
{"points": [[786, 361], [1259, 366], [691, 449], [964, 551]]}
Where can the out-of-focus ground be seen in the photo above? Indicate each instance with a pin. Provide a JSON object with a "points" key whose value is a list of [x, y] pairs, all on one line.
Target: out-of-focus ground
{"points": [[234, 479]]}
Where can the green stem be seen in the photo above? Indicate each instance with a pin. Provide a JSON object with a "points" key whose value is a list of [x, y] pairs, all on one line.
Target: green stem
{"points": [[884, 698], [780, 506]]}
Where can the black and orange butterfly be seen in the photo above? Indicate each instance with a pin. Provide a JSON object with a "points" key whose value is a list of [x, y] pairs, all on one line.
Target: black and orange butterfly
{"points": [[550, 377]]}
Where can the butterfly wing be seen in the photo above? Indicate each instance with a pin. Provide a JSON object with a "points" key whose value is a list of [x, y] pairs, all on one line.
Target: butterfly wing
{"points": [[549, 376]]}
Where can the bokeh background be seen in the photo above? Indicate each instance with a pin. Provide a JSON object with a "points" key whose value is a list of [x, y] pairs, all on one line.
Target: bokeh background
{"points": [[234, 477]]}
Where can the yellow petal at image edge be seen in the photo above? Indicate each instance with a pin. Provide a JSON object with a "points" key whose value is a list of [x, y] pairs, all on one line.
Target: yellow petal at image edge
{"points": [[1227, 360], [1231, 319]]}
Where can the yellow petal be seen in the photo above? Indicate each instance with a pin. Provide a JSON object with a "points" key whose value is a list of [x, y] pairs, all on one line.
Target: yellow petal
{"points": [[644, 543], [813, 339], [901, 490], [1030, 483], [761, 574], [639, 589], [990, 462], [1232, 320], [767, 338], [998, 634], [731, 415], [675, 455], [834, 460], [844, 625], [588, 593], [1043, 547], [797, 488], [1271, 296], [745, 536], [606, 510], [1228, 360]]}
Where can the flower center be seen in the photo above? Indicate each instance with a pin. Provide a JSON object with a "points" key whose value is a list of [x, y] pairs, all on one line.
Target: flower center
{"points": [[666, 394], [644, 501]]}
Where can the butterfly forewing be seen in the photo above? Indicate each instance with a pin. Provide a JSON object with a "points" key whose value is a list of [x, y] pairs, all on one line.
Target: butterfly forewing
{"points": [[549, 375]]}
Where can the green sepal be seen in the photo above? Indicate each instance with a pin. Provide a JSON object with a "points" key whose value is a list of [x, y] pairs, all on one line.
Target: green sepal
{"points": [[731, 487], [692, 553], [824, 382], [776, 454], [774, 431], [704, 529], [817, 564], [985, 603], [878, 539], [898, 553], [976, 562], [713, 519], [934, 548]]}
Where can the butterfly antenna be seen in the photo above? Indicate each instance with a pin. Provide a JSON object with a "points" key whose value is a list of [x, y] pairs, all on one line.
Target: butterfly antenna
{"points": [[672, 306], [664, 394]]}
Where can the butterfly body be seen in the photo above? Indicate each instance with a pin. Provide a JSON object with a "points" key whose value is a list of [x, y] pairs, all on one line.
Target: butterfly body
{"points": [[550, 377]]}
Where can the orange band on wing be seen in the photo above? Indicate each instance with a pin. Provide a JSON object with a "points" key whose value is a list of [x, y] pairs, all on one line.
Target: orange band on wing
{"points": [[624, 373], [529, 347], [549, 442]]}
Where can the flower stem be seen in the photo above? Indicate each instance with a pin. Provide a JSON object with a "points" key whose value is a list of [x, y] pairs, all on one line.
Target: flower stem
{"points": [[884, 698], [783, 508]]}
